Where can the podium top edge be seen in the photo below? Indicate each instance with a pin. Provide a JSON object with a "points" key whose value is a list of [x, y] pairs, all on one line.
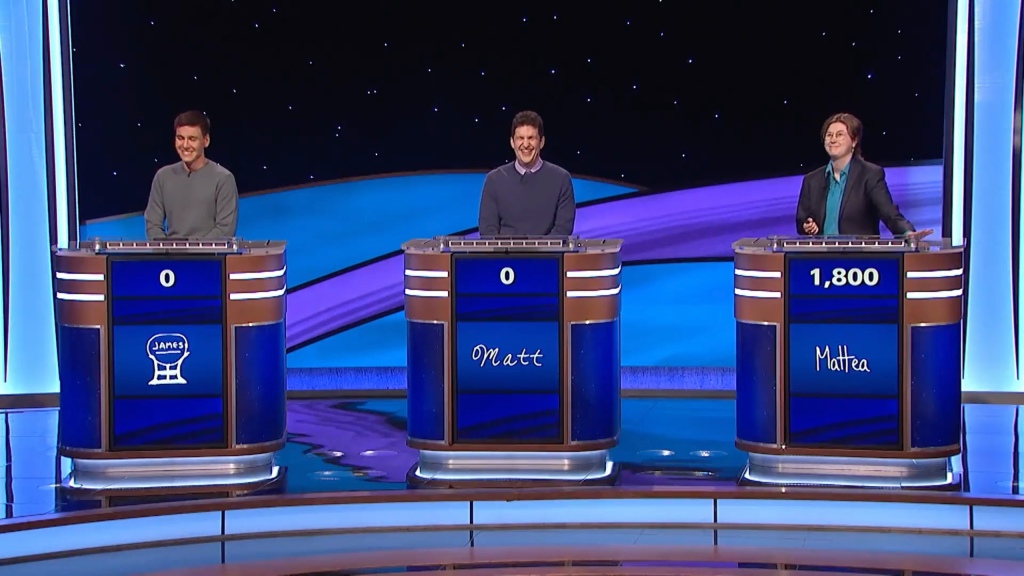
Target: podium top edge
{"points": [[193, 247], [864, 244], [511, 244]]}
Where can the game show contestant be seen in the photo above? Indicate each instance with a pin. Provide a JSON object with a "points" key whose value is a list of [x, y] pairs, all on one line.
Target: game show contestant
{"points": [[529, 196], [194, 198], [849, 195]]}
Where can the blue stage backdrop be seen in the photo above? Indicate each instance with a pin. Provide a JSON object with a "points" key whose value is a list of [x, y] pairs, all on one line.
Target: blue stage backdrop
{"points": [[345, 294]]}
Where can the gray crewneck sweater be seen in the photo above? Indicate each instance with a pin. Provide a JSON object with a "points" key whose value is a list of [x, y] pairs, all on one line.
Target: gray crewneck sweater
{"points": [[200, 204], [541, 203]]}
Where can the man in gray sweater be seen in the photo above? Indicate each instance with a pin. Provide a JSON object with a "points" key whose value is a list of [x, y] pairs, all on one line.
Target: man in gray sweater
{"points": [[528, 196], [194, 198]]}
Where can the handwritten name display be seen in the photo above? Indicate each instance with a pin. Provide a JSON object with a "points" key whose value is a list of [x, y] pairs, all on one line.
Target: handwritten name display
{"points": [[492, 357], [843, 361]]}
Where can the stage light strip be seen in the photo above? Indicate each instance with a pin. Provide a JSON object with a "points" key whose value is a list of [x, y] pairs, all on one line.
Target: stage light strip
{"points": [[936, 273], [757, 273], [426, 273], [258, 295], [79, 277], [136, 482], [756, 293], [73, 297], [990, 359], [426, 293], [31, 347], [854, 482], [956, 233], [60, 168], [593, 293], [605, 273], [933, 294], [257, 275]]}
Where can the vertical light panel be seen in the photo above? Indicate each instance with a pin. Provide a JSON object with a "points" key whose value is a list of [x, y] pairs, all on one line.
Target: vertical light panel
{"points": [[961, 37], [989, 432], [990, 357], [1019, 157], [4, 194], [31, 346], [69, 117], [56, 72]]}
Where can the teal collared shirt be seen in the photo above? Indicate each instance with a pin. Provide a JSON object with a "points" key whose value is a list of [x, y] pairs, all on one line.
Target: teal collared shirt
{"points": [[834, 199]]}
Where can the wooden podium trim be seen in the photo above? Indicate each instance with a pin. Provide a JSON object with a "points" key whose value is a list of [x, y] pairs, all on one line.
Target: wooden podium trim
{"points": [[603, 444], [247, 450], [755, 448]]}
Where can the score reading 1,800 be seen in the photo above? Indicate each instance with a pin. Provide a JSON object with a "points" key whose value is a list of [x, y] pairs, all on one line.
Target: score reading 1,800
{"points": [[851, 276], [846, 277]]}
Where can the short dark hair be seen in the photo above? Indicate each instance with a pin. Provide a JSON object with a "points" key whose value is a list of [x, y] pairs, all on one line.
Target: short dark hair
{"points": [[854, 127], [528, 118], [193, 118]]}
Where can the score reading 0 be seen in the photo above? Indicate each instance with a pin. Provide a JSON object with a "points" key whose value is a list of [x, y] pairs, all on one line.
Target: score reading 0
{"points": [[167, 278], [846, 277], [189, 277], [514, 277]]}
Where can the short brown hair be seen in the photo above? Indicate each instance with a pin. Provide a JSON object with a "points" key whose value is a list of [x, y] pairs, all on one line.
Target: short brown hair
{"points": [[854, 127], [193, 118], [528, 118]]}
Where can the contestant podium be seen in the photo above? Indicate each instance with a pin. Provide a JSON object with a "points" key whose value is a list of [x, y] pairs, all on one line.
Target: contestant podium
{"points": [[513, 359], [848, 360], [172, 361]]}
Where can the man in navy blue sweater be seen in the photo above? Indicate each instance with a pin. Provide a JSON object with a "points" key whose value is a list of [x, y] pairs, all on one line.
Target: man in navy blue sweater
{"points": [[527, 197]]}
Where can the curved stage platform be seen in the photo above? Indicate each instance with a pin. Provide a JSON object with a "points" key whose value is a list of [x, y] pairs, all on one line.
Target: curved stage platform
{"points": [[343, 480], [616, 560]]}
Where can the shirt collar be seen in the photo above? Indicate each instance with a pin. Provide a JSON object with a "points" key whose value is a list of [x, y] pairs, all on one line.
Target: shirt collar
{"points": [[522, 170], [842, 173]]}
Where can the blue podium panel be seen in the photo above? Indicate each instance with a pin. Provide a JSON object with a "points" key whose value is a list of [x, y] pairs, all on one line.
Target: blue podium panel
{"points": [[595, 406], [81, 383], [260, 383], [167, 348], [843, 351], [757, 382], [507, 374], [935, 412], [425, 398]]}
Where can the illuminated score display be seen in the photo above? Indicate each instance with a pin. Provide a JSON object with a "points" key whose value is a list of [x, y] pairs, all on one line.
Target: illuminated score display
{"points": [[167, 351], [507, 312], [844, 351]]}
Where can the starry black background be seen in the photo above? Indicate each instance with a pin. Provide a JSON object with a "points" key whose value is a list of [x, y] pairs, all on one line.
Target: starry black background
{"points": [[658, 94]]}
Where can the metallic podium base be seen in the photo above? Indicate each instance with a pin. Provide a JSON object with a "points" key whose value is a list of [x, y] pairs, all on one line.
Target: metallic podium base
{"points": [[139, 473], [454, 468], [763, 469]]}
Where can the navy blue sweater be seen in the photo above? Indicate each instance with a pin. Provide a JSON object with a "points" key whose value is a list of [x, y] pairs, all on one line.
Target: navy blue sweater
{"points": [[540, 203]]}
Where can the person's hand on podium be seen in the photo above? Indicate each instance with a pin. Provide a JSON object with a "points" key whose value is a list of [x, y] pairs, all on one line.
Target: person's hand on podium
{"points": [[918, 234], [810, 227]]}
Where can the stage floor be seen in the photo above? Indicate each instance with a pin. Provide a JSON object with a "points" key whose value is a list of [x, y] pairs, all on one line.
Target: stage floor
{"points": [[347, 444]]}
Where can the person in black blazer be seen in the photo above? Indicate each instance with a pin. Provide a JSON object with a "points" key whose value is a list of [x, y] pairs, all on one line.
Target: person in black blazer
{"points": [[848, 195]]}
